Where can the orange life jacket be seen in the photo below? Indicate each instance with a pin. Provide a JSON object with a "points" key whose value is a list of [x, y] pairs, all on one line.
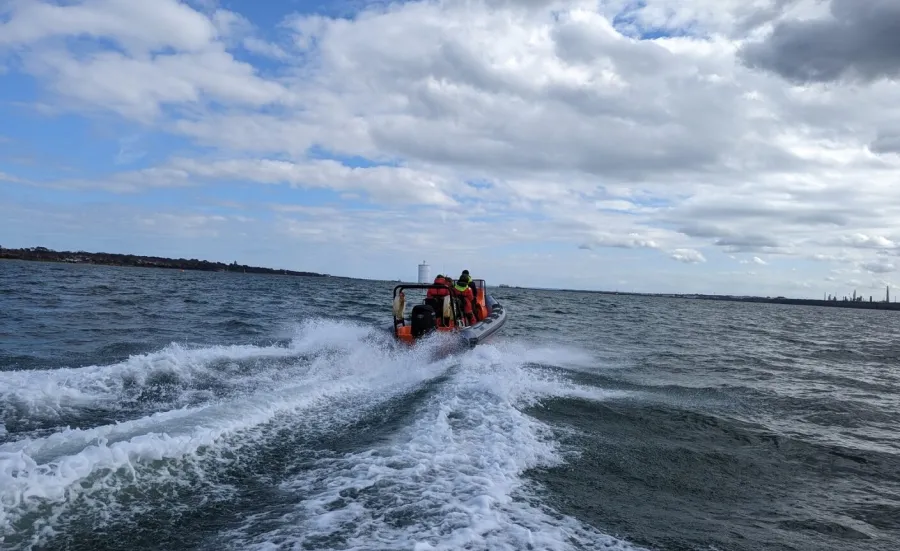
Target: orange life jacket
{"points": [[439, 292]]}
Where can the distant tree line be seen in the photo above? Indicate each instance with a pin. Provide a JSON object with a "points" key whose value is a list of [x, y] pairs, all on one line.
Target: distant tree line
{"points": [[43, 254]]}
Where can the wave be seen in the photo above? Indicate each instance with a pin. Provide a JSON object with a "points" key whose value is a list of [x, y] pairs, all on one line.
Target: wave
{"points": [[447, 471], [452, 479]]}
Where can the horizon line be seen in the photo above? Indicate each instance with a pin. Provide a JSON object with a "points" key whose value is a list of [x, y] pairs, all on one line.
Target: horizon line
{"points": [[40, 248]]}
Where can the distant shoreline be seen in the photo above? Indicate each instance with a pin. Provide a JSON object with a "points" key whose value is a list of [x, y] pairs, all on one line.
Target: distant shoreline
{"points": [[856, 304], [43, 254]]}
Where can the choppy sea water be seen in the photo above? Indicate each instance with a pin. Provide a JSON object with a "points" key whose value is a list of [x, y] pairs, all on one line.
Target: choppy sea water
{"points": [[158, 409]]}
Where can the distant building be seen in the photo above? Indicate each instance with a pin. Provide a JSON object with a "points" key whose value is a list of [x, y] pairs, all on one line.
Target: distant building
{"points": [[424, 273]]}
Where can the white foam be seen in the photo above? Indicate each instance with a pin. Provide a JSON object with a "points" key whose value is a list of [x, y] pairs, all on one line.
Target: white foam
{"points": [[318, 334], [55, 394], [451, 480], [456, 470], [69, 440], [48, 393], [49, 470]]}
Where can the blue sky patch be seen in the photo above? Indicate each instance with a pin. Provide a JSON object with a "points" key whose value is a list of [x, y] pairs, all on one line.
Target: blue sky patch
{"points": [[628, 22]]}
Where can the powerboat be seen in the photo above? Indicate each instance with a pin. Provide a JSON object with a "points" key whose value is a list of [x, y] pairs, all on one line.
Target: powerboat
{"points": [[441, 312]]}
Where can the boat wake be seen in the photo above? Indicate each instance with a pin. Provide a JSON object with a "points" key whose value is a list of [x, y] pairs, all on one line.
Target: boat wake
{"points": [[335, 440]]}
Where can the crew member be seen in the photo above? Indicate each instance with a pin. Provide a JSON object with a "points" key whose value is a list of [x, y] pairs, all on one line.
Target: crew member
{"points": [[438, 292], [435, 296], [479, 310], [464, 293]]}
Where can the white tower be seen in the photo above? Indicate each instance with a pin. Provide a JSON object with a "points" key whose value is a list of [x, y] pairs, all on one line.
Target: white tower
{"points": [[424, 275]]}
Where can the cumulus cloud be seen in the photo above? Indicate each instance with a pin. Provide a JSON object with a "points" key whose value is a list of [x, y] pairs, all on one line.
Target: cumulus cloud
{"points": [[138, 27], [262, 47], [857, 41], [631, 241], [689, 256], [753, 260], [880, 266], [670, 127], [887, 142], [170, 54], [868, 241], [385, 183]]}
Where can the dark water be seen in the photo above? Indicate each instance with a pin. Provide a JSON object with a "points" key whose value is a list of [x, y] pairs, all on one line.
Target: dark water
{"points": [[152, 409]]}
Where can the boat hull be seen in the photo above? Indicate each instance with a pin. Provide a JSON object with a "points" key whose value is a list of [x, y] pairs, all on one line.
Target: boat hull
{"points": [[465, 337], [486, 328]]}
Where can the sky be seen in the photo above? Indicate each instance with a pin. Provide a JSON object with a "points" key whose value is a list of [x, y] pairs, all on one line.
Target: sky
{"points": [[714, 146]]}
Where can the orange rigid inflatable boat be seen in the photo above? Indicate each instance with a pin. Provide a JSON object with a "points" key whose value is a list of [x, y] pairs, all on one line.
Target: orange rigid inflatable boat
{"points": [[442, 312]]}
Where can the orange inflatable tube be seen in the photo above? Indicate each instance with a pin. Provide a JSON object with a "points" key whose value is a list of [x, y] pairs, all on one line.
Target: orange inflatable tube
{"points": [[404, 332]]}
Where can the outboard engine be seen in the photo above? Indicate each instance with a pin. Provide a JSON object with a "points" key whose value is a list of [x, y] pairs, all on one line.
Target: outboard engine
{"points": [[423, 320]]}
